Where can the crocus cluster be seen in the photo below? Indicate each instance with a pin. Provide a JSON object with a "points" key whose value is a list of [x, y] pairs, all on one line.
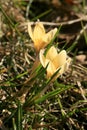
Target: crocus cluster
{"points": [[52, 61]]}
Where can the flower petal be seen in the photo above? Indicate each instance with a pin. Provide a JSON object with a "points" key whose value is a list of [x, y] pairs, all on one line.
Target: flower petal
{"points": [[61, 58], [62, 69], [50, 69], [43, 60], [49, 36], [30, 31], [65, 66], [52, 53], [39, 32], [67, 63]]}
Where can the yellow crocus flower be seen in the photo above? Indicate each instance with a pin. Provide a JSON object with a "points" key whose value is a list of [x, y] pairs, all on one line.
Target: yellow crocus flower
{"points": [[54, 61], [40, 38]]}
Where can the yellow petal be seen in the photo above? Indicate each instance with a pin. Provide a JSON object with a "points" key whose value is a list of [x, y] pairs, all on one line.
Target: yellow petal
{"points": [[52, 53], [56, 61], [39, 32], [68, 61], [61, 58], [43, 60], [49, 36], [30, 31], [60, 61], [50, 69], [65, 66], [62, 70]]}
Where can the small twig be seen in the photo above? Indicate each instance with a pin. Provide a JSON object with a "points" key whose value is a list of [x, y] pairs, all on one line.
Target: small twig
{"points": [[80, 67], [84, 18], [28, 7], [82, 91], [81, 32]]}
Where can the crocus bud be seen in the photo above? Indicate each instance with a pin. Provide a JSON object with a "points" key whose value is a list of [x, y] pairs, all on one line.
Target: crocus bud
{"points": [[38, 35]]}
